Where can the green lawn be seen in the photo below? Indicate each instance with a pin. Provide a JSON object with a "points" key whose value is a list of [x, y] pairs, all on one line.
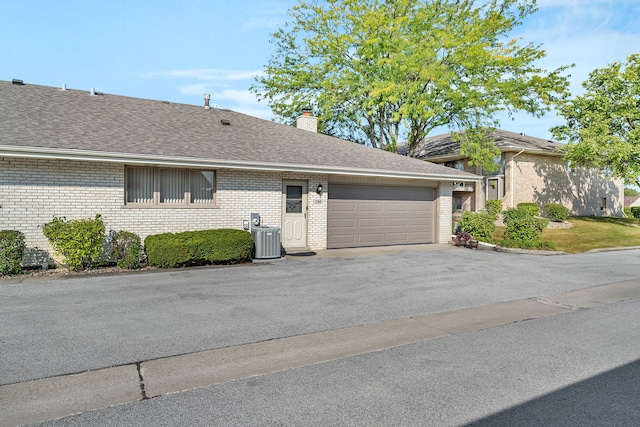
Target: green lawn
{"points": [[591, 233]]}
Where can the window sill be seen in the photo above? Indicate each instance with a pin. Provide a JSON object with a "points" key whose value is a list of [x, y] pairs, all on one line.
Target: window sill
{"points": [[169, 206]]}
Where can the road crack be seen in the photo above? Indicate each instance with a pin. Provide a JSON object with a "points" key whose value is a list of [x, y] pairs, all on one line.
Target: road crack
{"points": [[141, 380], [554, 303]]}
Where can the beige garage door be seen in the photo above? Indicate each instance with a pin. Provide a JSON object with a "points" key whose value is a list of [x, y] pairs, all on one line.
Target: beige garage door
{"points": [[368, 215]]}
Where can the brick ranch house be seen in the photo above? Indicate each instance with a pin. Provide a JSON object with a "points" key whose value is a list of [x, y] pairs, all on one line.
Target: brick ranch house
{"points": [[153, 166], [530, 170]]}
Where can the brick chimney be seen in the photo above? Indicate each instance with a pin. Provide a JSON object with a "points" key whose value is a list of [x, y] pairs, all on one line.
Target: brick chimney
{"points": [[306, 121]]}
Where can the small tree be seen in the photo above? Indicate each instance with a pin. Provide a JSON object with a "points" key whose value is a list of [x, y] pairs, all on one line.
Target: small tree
{"points": [[79, 241], [382, 72], [603, 125]]}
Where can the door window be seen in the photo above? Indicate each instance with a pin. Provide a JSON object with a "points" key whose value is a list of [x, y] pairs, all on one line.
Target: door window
{"points": [[294, 199]]}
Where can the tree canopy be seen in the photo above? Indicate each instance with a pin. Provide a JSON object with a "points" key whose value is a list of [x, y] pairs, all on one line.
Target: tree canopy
{"points": [[382, 72], [603, 125]]}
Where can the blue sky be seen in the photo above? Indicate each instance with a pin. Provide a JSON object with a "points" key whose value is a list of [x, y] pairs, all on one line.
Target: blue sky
{"points": [[179, 50]]}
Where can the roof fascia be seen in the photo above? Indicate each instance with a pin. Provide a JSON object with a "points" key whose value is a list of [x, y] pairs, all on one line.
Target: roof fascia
{"points": [[444, 157], [97, 156], [458, 156], [532, 151]]}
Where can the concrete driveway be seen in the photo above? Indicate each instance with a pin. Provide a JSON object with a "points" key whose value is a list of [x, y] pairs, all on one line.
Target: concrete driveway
{"points": [[60, 326]]}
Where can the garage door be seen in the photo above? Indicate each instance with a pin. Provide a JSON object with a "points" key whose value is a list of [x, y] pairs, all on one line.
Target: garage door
{"points": [[367, 215]]}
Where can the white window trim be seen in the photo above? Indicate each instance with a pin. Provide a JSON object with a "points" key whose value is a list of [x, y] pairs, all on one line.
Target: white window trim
{"points": [[501, 191]]}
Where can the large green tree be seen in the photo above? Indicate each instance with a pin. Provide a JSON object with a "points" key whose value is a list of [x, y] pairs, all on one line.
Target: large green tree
{"points": [[385, 71], [603, 125]]}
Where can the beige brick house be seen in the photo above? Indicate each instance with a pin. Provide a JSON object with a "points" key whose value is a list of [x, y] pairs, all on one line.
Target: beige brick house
{"points": [[152, 166], [530, 170]]}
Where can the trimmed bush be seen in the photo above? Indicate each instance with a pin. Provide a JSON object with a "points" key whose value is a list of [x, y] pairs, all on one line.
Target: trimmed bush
{"points": [[522, 227], [635, 211], [537, 245], [479, 224], [126, 247], [79, 241], [12, 248], [532, 208], [494, 207], [556, 212], [221, 246]]}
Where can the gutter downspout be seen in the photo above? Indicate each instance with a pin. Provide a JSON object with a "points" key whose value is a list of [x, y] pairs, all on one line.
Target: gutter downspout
{"points": [[512, 173]]}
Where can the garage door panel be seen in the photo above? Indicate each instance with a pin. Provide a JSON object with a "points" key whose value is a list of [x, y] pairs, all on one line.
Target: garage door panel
{"points": [[343, 206], [396, 207], [396, 238], [379, 215], [344, 241], [370, 239], [342, 223], [370, 222], [420, 222], [397, 222], [376, 208]]}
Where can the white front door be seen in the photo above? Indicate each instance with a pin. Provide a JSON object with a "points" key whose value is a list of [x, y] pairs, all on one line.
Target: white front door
{"points": [[294, 214]]}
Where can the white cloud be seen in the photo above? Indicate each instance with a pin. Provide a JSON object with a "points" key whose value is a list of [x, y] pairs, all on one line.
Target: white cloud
{"points": [[588, 33], [239, 100], [261, 23], [208, 74], [272, 15]]}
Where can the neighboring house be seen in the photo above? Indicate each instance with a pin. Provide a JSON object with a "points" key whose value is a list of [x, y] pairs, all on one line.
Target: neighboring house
{"points": [[529, 170], [154, 166], [632, 201]]}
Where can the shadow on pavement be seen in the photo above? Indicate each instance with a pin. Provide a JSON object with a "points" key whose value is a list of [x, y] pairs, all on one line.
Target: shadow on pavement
{"points": [[608, 399]]}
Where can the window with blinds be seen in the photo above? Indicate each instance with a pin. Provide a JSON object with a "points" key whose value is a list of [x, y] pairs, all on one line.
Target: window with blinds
{"points": [[169, 187]]}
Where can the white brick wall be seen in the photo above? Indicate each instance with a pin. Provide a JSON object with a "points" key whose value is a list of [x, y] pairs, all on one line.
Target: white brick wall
{"points": [[33, 191], [445, 215]]}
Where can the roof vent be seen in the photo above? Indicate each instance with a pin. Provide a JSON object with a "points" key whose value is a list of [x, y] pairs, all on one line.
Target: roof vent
{"points": [[17, 82], [64, 86], [207, 97], [225, 122], [93, 91]]}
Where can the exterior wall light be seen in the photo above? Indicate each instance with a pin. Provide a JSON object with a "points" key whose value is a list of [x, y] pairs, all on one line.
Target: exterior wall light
{"points": [[319, 189]]}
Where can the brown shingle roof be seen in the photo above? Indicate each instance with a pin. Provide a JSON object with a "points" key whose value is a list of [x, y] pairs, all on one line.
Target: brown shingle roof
{"points": [[630, 200], [46, 119], [442, 145]]}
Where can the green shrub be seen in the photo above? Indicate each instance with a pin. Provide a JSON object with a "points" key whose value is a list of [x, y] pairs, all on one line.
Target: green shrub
{"points": [[126, 247], [479, 224], [556, 212], [635, 211], [11, 252], [522, 228], [220, 246], [532, 208], [494, 207], [537, 245], [79, 241]]}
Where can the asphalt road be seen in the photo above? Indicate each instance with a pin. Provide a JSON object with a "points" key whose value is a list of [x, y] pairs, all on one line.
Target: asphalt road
{"points": [[577, 369], [63, 326]]}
